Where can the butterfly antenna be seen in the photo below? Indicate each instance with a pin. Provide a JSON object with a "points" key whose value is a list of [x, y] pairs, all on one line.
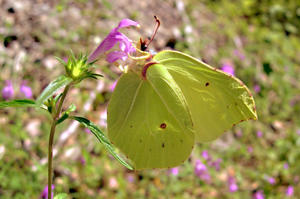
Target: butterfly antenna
{"points": [[155, 29], [146, 42]]}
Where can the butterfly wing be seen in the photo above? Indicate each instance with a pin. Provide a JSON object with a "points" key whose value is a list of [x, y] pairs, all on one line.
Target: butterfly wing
{"points": [[216, 100], [148, 119]]}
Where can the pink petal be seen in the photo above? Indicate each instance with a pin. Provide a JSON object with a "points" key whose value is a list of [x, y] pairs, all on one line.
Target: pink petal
{"points": [[126, 23], [112, 38], [115, 55]]}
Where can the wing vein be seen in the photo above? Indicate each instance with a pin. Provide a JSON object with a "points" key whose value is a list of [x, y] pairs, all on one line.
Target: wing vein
{"points": [[130, 108]]}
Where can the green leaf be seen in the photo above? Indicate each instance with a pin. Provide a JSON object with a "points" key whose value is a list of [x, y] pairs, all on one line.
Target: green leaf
{"points": [[18, 103], [62, 118], [66, 114], [61, 196], [101, 137], [49, 91]]}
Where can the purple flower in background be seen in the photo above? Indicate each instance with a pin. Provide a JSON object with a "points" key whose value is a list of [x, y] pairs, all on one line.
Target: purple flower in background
{"points": [[8, 90], [26, 90], [239, 133], [174, 171], [256, 88], [271, 180], [239, 54], [250, 149], [44, 194], [216, 164], [258, 195], [286, 166], [232, 184], [205, 155], [82, 160], [201, 171], [259, 134], [88, 131], [228, 68], [130, 178], [290, 191], [298, 131], [111, 40]]}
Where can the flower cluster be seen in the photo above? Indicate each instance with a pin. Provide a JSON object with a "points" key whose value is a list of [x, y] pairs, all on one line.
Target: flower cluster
{"points": [[8, 90]]}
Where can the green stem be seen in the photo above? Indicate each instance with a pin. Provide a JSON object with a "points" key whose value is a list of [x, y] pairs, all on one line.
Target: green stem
{"points": [[51, 138]]}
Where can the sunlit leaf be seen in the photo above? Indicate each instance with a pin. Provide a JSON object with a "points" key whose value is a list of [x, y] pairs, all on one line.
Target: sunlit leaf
{"points": [[55, 85]]}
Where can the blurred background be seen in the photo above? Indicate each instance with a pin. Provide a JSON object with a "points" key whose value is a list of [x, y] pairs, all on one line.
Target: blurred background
{"points": [[257, 41]]}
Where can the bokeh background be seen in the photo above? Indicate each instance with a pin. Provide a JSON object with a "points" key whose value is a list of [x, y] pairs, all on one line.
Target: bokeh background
{"points": [[257, 40]]}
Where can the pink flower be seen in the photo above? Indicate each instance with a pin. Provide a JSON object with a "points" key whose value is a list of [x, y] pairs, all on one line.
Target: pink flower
{"points": [[8, 90], [44, 194], [239, 54], [256, 88], [111, 40], [26, 90], [259, 134], [290, 191], [205, 155], [174, 171], [216, 164], [201, 171], [232, 184], [271, 180], [228, 68], [258, 195], [250, 149]]}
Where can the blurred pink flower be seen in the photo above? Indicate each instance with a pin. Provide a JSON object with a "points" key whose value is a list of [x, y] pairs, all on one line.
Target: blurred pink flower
{"points": [[201, 171], [239, 133], [205, 155], [82, 160], [174, 171], [113, 183], [8, 90], [271, 180], [228, 68], [259, 134], [250, 149], [88, 131], [130, 178], [239, 54], [216, 164], [290, 191], [256, 88], [232, 184], [258, 195], [44, 194], [111, 40], [25, 90], [286, 166]]}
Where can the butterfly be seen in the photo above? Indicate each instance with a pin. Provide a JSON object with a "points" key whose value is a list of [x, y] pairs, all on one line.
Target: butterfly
{"points": [[156, 116]]}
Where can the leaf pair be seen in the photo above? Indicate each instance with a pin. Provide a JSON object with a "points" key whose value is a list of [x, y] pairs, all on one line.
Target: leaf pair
{"points": [[155, 117]]}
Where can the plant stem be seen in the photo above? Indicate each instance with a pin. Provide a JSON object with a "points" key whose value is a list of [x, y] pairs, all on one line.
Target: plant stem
{"points": [[51, 138]]}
